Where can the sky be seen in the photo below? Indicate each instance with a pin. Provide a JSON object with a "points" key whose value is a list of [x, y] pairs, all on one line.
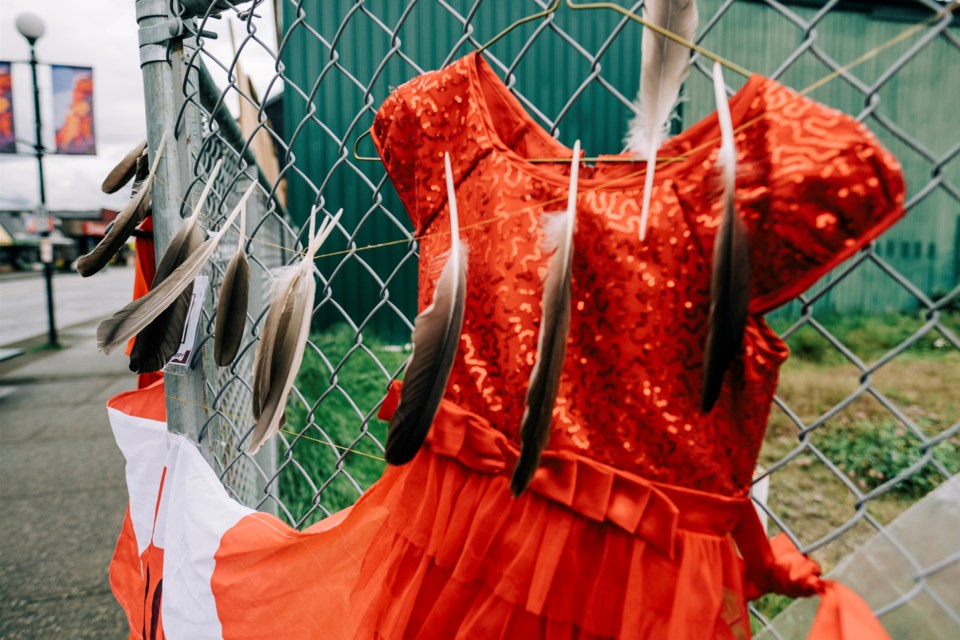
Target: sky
{"points": [[101, 34]]}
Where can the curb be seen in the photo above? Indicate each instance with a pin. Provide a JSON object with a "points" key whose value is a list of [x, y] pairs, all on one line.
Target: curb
{"points": [[35, 348]]}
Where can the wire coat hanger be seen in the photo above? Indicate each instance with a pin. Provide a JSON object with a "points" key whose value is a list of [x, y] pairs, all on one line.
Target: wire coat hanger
{"points": [[535, 16], [356, 145], [946, 10], [541, 14], [903, 35], [706, 53], [583, 7], [663, 32]]}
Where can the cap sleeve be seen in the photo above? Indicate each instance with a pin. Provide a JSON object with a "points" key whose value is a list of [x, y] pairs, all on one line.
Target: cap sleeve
{"points": [[423, 119], [397, 138], [830, 189], [813, 187]]}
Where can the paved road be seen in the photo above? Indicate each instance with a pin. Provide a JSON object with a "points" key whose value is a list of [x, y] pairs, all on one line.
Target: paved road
{"points": [[23, 301]]}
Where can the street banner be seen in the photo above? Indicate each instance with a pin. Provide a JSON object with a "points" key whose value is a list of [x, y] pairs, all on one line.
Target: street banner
{"points": [[73, 109], [8, 141]]}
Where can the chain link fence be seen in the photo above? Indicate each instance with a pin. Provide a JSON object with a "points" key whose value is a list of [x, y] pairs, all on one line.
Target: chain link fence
{"points": [[865, 423]]}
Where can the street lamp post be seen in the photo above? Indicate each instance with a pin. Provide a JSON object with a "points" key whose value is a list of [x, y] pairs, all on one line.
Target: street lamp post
{"points": [[31, 27]]}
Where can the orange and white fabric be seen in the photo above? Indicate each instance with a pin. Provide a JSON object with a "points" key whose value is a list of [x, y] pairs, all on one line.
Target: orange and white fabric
{"points": [[177, 514], [192, 563]]}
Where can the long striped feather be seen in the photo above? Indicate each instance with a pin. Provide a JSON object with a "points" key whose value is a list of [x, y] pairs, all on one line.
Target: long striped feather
{"points": [[436, 335], [730, 278], [552, 341]]}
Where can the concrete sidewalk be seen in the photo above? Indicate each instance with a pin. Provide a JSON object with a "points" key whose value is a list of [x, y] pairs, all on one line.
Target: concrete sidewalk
{"points": [[62, 491]]}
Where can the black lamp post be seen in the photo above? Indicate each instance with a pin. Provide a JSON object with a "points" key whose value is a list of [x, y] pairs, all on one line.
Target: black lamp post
{"points": [[31, 27]]}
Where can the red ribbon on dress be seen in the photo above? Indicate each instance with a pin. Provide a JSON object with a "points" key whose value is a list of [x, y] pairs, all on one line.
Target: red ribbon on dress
{"points": [[777, 566]]}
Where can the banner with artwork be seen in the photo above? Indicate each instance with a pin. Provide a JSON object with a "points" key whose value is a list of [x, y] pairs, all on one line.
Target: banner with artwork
{"points": [[8, 141], [73, 109]]}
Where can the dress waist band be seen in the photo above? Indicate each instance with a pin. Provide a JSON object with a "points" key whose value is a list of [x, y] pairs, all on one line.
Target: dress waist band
{"points": [[655, 512], [651, 510]]}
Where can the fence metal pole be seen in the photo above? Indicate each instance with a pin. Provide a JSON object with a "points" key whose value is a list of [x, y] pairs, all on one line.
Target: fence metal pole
{"points": [[164, 67]]}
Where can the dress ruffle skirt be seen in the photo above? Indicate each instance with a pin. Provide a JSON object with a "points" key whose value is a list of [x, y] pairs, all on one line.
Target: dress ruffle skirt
{"points": [[439, 548]]}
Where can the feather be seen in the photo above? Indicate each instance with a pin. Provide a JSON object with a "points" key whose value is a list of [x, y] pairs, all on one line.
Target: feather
{"points": [[552, 342], [663, 68], [125, 222], [158, 341], [730, 279], [285, 331], [278, 281], [232, 305], [143, 312], [436, 335], [125, 169]]}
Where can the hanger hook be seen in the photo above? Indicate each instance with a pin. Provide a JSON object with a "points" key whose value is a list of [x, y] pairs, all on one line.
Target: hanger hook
{"points": [[540, 14], [356, 146]]}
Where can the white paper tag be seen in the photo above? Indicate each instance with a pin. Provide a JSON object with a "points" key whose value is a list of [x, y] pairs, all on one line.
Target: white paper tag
{"points": [[189, 339]]}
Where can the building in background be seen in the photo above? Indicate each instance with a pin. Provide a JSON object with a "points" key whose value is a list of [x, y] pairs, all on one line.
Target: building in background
{"points": [[75, 232]]}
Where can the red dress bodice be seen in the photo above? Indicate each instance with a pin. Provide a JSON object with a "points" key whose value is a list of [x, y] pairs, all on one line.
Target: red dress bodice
{"points": [[813, 186]]}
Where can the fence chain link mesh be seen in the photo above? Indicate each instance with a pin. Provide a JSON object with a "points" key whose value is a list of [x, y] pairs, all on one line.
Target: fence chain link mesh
{"points": [[328, 450]]}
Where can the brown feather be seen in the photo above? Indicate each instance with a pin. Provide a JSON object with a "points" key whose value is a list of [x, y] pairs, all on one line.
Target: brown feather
{"points": [[552, 341], [160, 338], [285, 331], [125, 169], [436, 335], [278, 318], [232, 310], [187, 260], [232, 303], [126, 221], [730, 279], [123, 226]]}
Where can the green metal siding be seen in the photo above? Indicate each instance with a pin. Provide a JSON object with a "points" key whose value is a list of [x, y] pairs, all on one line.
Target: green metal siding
{"points": [[922, 98]]}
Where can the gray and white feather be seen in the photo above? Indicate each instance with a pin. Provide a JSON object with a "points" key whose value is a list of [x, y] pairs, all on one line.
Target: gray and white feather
{"points": [[556, 311], [285, 331], [663, 68], [436, 336]]}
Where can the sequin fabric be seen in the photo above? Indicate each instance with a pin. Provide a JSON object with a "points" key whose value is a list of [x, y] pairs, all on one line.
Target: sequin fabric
{"points": [[813, 186]]}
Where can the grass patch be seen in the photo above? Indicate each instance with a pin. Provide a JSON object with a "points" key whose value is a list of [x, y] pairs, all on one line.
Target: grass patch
{"points": [[338, 453], [865, 440], [871, 455], [769, 605], [869, 337]]}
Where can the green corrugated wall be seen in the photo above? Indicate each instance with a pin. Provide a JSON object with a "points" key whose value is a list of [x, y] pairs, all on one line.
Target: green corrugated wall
{"points": [[922, 99]]}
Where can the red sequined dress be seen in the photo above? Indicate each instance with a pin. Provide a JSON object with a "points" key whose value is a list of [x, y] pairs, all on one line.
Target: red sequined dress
{"points": [[638, 522]]}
